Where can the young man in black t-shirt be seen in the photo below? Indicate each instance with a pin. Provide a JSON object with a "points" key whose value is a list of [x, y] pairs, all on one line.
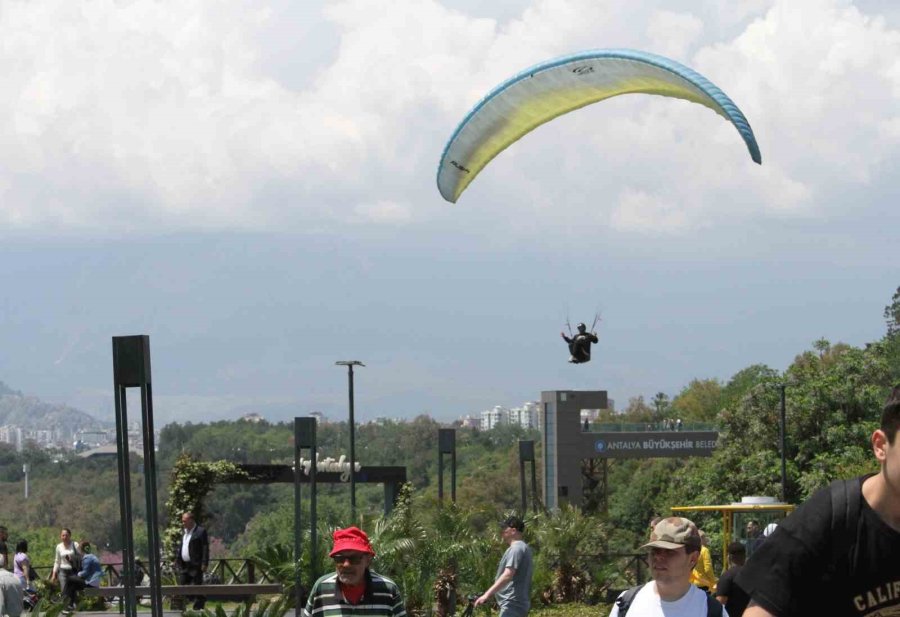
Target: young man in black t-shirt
{"points": [[728, 592], [837, 557]]}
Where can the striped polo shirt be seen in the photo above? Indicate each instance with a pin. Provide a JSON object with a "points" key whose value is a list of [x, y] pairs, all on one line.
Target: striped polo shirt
{"points": [[381, 599]]}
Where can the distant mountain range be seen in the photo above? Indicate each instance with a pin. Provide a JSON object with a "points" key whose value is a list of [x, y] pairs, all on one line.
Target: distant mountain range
{"points": [[33, 413]]}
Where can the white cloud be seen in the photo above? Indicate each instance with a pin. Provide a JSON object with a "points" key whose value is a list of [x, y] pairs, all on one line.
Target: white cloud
{"points": [[129, 115], [673, 33], [383, 211], [637, 210]]}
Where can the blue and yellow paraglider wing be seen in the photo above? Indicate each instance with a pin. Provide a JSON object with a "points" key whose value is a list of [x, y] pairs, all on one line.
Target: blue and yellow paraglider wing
{"points": [[551, 89]]}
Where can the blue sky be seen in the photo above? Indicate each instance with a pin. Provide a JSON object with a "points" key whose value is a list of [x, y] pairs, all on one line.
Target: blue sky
{"points": [[253, 187]]}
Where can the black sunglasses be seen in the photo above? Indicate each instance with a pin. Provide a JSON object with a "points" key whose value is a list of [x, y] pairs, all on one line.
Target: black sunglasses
{"points": [[353, 559]]}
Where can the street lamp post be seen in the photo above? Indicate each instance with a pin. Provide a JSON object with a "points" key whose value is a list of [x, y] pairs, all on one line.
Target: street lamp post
{"points": [[783, 431], [350, 364]]}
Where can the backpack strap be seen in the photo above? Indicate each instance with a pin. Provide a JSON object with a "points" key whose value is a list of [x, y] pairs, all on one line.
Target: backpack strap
{"points": [[713, 606], [624, 601], [846, 503]]}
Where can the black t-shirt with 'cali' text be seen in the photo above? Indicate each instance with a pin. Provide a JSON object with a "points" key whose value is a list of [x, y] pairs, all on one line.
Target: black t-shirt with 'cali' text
{"points": [[791, 575]]}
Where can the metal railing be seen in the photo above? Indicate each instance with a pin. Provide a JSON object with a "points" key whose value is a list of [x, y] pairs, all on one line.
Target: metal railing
{"points": [[643, 427], [228, 571]]}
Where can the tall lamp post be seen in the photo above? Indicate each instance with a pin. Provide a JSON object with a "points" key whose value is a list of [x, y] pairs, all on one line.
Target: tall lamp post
{"points": [[350, 364], [783, 431]]}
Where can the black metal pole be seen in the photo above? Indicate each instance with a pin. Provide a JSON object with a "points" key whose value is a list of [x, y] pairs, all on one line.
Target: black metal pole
{"points": [[440, 475], [522, 484], [125, 498], [313, 517], [298, 591], [350, 364], [352, 454], [453, 473], [783, 452], [156, 607], [131, 368]]}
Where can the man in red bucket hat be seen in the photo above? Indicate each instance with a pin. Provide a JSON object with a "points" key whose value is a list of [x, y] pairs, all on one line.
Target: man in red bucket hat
{"points": [[353, 589]]}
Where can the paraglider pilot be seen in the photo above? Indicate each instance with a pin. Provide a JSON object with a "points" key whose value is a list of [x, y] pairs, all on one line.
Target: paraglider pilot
{"points": [[580, 344]]}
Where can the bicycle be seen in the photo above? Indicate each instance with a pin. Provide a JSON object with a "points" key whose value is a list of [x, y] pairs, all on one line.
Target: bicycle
{"points": [[470, 605]]}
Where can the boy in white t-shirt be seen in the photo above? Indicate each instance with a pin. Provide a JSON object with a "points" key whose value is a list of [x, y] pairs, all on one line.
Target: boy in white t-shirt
{"points": [[674, 550]]}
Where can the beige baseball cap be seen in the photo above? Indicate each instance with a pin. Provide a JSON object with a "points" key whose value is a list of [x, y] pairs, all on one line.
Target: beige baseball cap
{"points": [[674, 532]]}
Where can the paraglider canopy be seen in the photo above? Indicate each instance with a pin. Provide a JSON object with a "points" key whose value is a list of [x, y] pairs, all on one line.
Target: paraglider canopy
{"points": [[551, 89]]}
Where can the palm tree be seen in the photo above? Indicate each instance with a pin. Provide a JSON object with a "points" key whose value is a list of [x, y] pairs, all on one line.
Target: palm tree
{"points": [[562, 537]]}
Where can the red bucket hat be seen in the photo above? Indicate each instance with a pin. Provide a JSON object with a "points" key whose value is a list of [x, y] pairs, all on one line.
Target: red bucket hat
{"points": [[350, 539]]}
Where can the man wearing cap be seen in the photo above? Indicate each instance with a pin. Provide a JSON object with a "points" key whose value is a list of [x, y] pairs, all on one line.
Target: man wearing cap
{"points": [[674, 550], [513, 584], [353, 589]]}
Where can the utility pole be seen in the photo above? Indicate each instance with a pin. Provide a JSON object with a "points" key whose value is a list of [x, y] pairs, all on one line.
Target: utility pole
{"points": [[350, 364], [783, 454]]}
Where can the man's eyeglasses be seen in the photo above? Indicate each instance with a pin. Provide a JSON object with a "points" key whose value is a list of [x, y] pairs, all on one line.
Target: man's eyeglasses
{"points": [[353, 559]]}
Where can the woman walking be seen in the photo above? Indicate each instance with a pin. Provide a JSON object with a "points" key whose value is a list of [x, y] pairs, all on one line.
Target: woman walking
{"points": [[66, 562]]}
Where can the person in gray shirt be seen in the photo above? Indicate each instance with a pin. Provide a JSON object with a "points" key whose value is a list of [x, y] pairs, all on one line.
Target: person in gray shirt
{"points": [[513, 584], [10, 594]]}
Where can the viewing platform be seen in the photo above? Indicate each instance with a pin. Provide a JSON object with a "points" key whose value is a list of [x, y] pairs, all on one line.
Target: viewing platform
{"points": [[647, 427]]}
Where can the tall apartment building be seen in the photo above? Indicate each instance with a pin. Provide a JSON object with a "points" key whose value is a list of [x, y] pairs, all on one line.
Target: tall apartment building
{"points": [[494, 417], [525, 416]]}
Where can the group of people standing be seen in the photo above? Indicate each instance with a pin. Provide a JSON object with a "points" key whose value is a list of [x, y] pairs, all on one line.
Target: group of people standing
{"points": [[74, 566]]}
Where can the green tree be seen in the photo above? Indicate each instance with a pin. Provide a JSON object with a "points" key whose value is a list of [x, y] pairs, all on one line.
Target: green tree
{"points": [[660, 404], [892, 315], [700, 401], [637, 411], [892, 339]]}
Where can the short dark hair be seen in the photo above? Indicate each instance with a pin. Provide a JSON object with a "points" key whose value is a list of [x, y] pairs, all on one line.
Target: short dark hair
{"points": [[890, 415], [22, 546], [515, 522], [736, 548]]}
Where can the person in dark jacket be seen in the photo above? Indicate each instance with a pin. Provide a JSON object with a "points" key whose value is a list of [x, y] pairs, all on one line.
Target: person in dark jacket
{"points": [[580, 344], [192, 556]]}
